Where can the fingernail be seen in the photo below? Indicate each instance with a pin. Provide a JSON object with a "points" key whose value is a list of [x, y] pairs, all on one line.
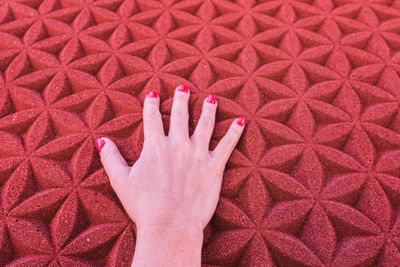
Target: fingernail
{"points": [[99, 144], [240, 121], [211, 99], [182, 88], [152, 94]]}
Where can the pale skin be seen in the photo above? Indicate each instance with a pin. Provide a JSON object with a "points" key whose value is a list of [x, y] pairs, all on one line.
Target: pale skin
{"points": [[172, 190]]}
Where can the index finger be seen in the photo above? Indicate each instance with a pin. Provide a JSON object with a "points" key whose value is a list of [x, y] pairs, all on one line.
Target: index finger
{"points": [[152, 122]]}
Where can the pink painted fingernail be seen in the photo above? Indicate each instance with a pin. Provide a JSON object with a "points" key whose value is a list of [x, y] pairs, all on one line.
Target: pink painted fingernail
{"points": [[182, 88], [99, 144], [152, 94], [241, 121], [211, 99]]}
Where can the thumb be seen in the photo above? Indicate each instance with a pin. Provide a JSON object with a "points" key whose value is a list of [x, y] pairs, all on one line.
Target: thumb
{"points": [[114, 164]]}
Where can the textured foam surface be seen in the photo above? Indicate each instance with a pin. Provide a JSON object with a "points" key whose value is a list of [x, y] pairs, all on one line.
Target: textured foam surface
{"points": [[314, 180]]}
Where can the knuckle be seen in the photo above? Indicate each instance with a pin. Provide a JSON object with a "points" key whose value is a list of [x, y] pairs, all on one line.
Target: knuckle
{"points": [[162, 146], [114, 184], [179, 145], [179, 113], [236, 130], [117, 175], [176, 145], [208, 121], [153, 143], [151, 111], [113, 177], [148, 143], [105, 156], [231, 137], [202, 137], [234, 134]]}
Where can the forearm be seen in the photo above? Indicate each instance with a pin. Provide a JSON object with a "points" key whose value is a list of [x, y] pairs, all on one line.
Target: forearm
{"points": [[168, 247]]}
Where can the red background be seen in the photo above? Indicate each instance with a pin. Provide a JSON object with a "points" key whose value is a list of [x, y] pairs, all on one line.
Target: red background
{"points": [[314, 179]]}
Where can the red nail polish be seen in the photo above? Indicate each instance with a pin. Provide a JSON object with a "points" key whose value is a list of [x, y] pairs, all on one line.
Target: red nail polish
{"points": [[240, 121], [152, 94], [99, 144], [182, 88], [211, 99]]}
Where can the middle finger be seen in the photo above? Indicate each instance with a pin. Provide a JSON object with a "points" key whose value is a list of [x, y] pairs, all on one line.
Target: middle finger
{"points": [[179, 124]]}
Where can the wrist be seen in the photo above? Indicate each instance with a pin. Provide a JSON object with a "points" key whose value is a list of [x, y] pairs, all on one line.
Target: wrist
{"points": [[168, 246], [172, 231]]}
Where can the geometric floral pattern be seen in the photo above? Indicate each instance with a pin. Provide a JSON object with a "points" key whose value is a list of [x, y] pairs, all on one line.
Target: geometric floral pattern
{"points": [[314, 179]]}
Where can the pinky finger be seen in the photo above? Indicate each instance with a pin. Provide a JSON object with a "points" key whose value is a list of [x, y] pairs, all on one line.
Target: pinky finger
{"points": [[224, 149]]}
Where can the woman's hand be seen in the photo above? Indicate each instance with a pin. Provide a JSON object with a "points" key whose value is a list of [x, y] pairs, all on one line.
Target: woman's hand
{"points": [[176, 181]]}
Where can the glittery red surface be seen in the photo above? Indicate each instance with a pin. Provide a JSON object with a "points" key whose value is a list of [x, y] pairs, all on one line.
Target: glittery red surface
{"points": [[314, 180]]}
